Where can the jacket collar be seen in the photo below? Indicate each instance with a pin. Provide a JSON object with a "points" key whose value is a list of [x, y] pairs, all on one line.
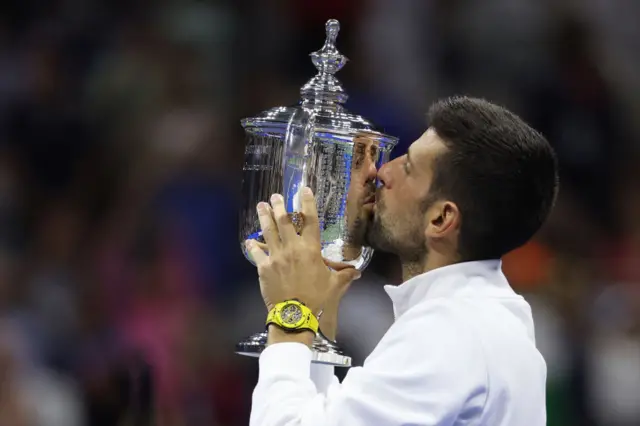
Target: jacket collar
{"points": [[467, 279]]}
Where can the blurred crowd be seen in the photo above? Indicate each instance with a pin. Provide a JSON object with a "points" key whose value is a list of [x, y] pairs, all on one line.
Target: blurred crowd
{"points": [[122, 285]]}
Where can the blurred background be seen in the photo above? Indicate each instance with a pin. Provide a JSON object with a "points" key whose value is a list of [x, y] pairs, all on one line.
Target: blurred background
{"points": [[122, 285]]}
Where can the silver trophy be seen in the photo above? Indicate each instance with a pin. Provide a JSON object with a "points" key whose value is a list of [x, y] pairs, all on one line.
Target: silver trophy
{"points": [[315, 143]]}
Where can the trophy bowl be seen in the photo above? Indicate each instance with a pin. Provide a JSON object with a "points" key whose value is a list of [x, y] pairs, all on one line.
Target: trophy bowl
{"points": [[319, 144]]}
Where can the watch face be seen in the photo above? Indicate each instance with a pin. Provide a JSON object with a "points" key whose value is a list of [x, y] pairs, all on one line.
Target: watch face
{"points": [[291, 314]]}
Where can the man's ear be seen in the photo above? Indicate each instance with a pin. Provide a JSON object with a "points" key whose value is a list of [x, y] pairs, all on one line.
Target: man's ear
{"points": [[443, 220]]}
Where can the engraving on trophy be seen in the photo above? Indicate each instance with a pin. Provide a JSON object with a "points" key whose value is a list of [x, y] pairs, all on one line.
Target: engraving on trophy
{"points": [[262, 173]]}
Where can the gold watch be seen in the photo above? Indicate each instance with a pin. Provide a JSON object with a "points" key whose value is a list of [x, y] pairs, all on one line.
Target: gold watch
{"points": [[293, 316]]}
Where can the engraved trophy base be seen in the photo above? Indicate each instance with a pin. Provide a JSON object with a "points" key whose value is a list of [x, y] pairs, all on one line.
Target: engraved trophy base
{"points": [[324, 350]]}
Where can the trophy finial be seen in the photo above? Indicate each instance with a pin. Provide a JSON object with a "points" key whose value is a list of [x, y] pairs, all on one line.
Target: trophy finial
{"points": [[328, 61], [333, 27]]}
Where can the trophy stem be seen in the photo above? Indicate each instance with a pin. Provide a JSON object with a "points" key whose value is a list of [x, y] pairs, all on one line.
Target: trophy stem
{"points": [[324, 350]]}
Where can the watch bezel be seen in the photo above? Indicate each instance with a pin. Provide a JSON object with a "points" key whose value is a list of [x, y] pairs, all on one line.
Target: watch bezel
{"points": [[290, 325]]}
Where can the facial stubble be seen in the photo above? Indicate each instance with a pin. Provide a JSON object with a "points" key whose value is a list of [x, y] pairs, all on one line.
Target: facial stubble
{"points": [[405, 238]]}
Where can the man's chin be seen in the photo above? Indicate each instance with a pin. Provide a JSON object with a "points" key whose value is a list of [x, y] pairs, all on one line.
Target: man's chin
{"points": [[372, 237]]}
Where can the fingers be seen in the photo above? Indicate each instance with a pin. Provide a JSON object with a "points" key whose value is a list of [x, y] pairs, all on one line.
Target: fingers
{"points": [[256, 252], [277, 226], [283, 221], [311, 228], [345, 272], [347, 275], [336, 266], [268, 226]]}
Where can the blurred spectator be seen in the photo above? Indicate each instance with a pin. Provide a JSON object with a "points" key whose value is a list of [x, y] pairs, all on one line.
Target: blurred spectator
{"points": [[29, 394]]}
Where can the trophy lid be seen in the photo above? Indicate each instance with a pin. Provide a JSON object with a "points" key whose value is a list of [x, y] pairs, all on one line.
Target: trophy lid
{"points": [[322, 99]]}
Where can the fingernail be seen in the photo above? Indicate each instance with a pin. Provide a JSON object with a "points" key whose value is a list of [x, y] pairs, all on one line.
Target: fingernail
{"points": [[262, 207], [248, 244], [307, 191], [276, 198]]}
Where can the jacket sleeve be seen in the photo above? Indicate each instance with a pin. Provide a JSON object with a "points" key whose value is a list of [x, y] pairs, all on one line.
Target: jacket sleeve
{"points": [[323, 376], [425, 371]]}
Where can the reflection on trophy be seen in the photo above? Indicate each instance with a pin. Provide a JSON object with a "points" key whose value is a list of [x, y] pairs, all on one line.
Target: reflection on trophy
{"points": [[360, 195], [319, 144]]}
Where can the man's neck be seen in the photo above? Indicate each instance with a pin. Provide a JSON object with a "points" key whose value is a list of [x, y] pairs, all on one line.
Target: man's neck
{"points": [[414, 268], [411, 269]]}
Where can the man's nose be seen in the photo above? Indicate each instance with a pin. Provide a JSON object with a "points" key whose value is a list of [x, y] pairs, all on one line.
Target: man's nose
{"points": [[383, 175]]}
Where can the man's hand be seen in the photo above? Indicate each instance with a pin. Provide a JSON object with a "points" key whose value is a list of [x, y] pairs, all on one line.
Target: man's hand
{"points": [[329, 318], [294, 267]]}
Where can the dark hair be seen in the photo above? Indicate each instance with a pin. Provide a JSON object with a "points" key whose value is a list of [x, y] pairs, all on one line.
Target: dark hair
{"points": [[501, 173]]}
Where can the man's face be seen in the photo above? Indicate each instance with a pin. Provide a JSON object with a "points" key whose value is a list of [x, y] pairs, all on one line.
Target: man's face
{"points": [[398, 222]]}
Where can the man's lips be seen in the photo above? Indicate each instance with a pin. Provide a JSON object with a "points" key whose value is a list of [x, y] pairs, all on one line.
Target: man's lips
{"points": [[370, 199]]}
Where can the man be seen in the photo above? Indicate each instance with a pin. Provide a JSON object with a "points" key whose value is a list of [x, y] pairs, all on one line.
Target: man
{"points": [[476, 185]]}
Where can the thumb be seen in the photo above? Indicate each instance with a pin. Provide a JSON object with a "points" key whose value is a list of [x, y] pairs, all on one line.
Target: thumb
{"points": [[336, 266], [347, 276]]}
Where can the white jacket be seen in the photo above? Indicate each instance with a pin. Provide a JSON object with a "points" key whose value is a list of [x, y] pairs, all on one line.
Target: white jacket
{"points": [[460, 352]]}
